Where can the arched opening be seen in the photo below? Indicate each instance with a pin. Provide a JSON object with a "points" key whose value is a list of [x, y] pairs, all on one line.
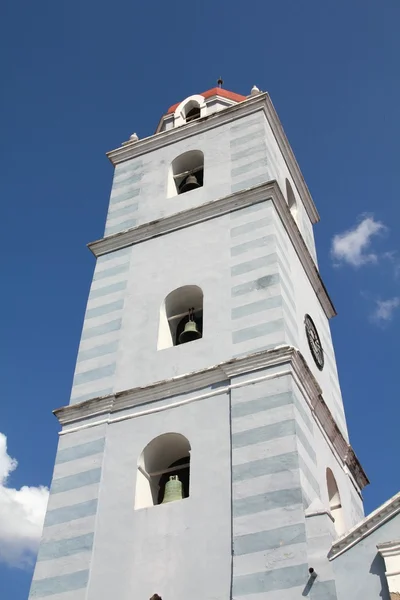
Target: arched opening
{"points": [[335, 504], [193, 113], [165, 457], [291, 200], [181, 317], [186, 173]]}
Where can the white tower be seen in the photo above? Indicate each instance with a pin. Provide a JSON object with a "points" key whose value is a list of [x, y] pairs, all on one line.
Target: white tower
{"points": [[210, 221]]}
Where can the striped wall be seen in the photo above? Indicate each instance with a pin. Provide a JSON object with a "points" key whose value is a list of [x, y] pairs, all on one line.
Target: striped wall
{"points": [[272, 484], [63, 562], [249, 164], [262, 294], [124, 199], [96, 361]]}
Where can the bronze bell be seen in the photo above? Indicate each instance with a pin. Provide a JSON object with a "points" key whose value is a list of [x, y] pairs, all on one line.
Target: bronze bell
{"points": [[190, 183], [173, 490], [190, 333]]}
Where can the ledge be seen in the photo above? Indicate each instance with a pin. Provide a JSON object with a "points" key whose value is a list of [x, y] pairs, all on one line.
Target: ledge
{"points": [[265, 191], [107, 406], [367, 526], [241, 109]]}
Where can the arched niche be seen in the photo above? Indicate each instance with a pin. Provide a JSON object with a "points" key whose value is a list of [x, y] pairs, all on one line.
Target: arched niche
{"points": [[335, 504], [165, 456], [174, 314], [291, 199], [190, 164], [193, 107]]}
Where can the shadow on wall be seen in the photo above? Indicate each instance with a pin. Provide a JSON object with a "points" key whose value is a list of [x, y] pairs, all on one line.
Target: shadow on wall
{"points": [[378, 568]]}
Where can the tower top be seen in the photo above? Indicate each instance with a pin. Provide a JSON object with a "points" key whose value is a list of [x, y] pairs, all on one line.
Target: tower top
{"points": [[214, 92]]}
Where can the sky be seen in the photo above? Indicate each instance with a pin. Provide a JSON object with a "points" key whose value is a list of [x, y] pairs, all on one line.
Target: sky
{"points": [[77, 79]]}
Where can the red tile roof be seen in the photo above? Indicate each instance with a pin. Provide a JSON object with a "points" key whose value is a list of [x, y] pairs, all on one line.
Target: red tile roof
{"points": [[214, 92]]}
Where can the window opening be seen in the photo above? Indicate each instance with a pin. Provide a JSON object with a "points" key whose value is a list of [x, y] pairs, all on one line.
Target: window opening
{"points": [[187, 173], [335, 504], [193, 114], [181, 317]]}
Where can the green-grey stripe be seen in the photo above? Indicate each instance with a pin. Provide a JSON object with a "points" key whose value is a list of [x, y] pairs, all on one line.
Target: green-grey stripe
{"points": [[257, 263], [254, 164], [242, 212], [258, 284], [97, 351], [265, 466], [256, 331], [113, 255], [94, 374], [267, 581], [80, 451], [309, 476], [251, 151], [104, 309], [111, 272], [264, 433], [71, 482], [241, 409], [239, 141], [67, 547], [90, 332], [269, 540], [71, 513], [255, 307], [261, 242], [249, 183], [252, 226], [108, 289], [58, 585], [267, 501], [128, 224]]}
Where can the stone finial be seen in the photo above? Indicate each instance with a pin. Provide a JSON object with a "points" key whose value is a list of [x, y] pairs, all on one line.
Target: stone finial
{"points": [[134, 137], [155, 597], [254, 91]]}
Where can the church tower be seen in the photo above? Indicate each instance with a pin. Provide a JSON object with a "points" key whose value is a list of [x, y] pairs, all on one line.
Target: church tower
{"points": [[204, 453]]}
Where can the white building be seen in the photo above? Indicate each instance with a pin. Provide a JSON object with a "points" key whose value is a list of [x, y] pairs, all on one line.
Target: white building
{"points": [[210, 221]]}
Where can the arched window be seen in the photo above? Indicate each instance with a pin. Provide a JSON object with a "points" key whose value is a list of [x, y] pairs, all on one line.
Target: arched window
{"points": [[186, 173], [165, 457], [335, 504], [193, 107], [181, 317], [291, 200]]}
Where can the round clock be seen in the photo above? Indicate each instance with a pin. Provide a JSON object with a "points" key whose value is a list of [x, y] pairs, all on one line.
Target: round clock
{"points": [[314, 342]]}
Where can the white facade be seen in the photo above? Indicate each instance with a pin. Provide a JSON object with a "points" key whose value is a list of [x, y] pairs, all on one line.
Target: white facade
{"points": [[273, 480]]}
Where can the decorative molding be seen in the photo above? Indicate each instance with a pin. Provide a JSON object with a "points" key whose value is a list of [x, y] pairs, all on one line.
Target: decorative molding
{"points": [[186, 218], [192, 382], [367, 526], [241, 109]]}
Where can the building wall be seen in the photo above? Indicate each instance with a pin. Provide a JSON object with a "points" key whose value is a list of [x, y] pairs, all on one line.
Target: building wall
{"points": [[361, 568]]}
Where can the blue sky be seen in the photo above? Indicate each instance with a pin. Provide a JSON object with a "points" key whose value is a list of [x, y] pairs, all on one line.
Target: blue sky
{"points": [[78, 79]]}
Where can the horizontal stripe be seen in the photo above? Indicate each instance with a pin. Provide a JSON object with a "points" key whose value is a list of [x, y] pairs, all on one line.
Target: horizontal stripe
{"points": [[109, 289], [255, 164], [253, 244], [117, 197], [114, 255], [104, 309], [90, 332], [251, 151], [70, 513], [252, 226], [270, 539], [130, 166], [94, 374], [288, 556], [302, 412], [67, 547], [111, 271], [256, 307], [258, 284], [257, 263], [239, 141], [249, 183], [324, 590], [116, 213], [127, 224], [309, 476], [256, 331], [306, 444], [267, 501], [97, 351], [80, 451], [267, 581], [249, 407], [63, 484], [264, 433], [245, 124], [58, 585], [243, 212], [265, 466], [94, 394]]}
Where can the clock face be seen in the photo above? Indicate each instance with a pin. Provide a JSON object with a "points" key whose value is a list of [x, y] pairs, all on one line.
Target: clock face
{"points": [[314, 342]]}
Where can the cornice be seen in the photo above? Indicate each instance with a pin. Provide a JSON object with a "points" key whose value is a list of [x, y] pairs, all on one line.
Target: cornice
{"points": [[367, 526], [216, 208], [76, 414], [249, 106]]}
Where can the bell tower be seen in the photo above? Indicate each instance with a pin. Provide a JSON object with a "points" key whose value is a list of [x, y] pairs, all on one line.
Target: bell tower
{"points": [[204, 452]]}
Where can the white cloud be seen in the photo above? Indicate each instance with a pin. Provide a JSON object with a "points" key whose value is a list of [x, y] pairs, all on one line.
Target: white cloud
{"points": [[352, 245], [384, 310], [21, 515]]}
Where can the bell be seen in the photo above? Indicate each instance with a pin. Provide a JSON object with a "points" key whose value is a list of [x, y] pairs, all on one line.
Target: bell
{"points": [[190, 333], [173, 490], [190, 183]]}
